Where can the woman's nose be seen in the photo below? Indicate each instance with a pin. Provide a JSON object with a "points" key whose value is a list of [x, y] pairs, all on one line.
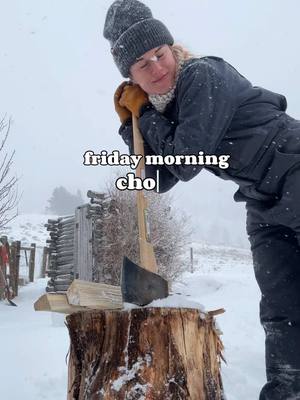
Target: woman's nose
{"points": [[156, 68]]}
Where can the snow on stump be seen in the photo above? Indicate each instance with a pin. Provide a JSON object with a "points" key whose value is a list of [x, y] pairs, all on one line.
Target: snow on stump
{"points": [[144, 354]]}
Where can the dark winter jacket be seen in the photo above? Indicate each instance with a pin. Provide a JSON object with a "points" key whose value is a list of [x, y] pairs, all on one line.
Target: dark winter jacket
{"points": [[215, 110]]}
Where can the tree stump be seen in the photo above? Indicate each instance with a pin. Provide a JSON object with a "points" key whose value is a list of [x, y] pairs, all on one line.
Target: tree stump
{"points": [[144, 354]]}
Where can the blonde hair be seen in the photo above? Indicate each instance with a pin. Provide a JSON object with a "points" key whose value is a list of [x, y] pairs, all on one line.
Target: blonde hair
{"points": [[181, 52]]}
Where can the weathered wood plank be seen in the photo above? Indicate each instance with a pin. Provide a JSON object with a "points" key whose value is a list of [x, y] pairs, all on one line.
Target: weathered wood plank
{"points": [[32, 262], [56, 302], [83, 256]]}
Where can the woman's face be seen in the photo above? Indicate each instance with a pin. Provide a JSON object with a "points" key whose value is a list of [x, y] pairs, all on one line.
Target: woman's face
{"points": [[155, 71]]}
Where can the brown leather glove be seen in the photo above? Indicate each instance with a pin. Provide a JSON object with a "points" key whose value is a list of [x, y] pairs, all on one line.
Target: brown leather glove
{"points": [[123, 112], [133, 98]]}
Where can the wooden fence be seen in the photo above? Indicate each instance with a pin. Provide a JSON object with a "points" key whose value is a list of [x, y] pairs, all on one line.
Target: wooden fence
{"points": [[74, 245], [12, 270]]}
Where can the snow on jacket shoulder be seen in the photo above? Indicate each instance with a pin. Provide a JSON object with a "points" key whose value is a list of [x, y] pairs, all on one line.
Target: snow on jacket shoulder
{"points": [[215, 110]]}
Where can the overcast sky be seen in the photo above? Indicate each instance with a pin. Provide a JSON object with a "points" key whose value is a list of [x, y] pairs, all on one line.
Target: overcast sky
{"points": [[57, 79]]}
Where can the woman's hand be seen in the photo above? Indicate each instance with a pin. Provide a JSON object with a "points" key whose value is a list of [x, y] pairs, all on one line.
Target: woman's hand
{"points": [[123, 112], [133, 98]]}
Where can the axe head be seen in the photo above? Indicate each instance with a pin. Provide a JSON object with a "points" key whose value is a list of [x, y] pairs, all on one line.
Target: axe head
{"points": [[140, 286], [11, 303]]}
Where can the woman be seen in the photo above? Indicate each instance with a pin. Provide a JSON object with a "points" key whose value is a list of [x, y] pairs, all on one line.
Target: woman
{"points": [[186, 105]]}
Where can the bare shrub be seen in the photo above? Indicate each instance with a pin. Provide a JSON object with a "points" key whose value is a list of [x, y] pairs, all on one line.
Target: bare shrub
{"points": [[170, 233], [8, 191]]}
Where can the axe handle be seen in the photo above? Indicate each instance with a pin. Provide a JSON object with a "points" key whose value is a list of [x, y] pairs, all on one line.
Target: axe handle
{"points": [[147, 257]]}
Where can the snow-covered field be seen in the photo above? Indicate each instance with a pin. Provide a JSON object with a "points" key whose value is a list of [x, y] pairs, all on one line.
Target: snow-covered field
{"points": [[34, 345]]}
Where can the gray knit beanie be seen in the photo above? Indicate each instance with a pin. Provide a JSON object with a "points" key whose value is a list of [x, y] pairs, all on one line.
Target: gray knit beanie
{"points": [[132, 31]]}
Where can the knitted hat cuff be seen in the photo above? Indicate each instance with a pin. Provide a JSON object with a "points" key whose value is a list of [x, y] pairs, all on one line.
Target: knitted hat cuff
{"points": [[137, 40]]}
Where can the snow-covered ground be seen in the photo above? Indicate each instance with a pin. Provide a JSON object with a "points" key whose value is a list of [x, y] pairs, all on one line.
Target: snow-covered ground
{"points": [[33, 349], [34, 345]]}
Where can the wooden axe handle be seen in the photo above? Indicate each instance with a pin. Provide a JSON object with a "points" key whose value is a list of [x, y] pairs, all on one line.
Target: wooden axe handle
{"points": [[147, 257]]}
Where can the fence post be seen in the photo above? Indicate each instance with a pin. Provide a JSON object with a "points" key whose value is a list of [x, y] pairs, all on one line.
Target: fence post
{"points": [[44, 261], [192, 260], [26, 258], [17, 270], [14, 266], [32, 262]]}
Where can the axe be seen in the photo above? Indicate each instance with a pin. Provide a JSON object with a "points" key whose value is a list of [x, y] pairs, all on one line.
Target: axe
{"points": [[142, 284]]}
